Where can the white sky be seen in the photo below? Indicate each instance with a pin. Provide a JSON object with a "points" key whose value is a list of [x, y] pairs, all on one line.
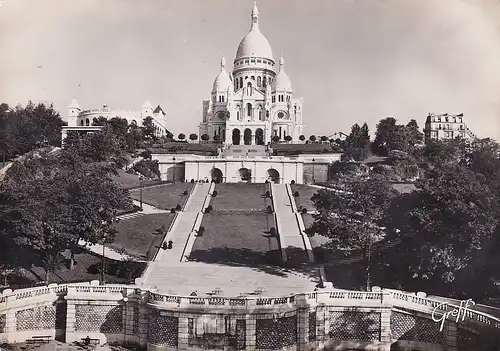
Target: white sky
{"points": [[351, 60]]}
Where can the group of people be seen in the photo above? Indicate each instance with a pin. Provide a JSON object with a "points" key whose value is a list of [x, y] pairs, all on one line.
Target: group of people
{"points": [[167, 246]]}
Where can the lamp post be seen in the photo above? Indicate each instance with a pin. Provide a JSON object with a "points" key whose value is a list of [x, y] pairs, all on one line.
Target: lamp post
{"points": [[314, 180], [141, 178], [103, 259], [174, 169]]}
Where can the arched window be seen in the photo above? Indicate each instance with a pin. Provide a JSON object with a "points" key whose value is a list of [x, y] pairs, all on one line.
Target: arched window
{"points": [[264, 82], [82, 122], [259, 82], [236, 84], [249, 108], [260, 115], [249, 88], [87, 122], [241, 82]]}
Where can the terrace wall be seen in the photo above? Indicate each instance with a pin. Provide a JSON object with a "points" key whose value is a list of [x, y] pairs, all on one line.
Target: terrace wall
{"points": [[323, 320]]}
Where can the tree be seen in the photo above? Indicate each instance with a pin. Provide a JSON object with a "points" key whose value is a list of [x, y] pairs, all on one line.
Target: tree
{"points": [[193, 137], [288, 138], [357, 144], [217, 138], [312, 138], [324, 138], [181, 136], [148, 129], [441, 228], [302, 137], [391, 136], [205, 137], [352, 217], [25, 128], [276, 138]]}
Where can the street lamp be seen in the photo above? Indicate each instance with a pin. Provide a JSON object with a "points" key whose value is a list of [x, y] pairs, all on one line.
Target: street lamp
{"points": [[174, 169], [141, 178], [314, 180]]}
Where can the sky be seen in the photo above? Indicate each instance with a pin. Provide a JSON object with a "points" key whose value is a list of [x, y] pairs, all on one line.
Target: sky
{"points": [[353, 61]]}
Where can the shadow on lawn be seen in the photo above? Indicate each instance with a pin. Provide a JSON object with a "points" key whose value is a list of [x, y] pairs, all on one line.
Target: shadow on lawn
{"points": [[267, 262]]}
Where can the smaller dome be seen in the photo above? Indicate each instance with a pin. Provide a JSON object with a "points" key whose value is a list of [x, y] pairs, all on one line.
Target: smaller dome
{"points": [[222, 82], [281, 82]]}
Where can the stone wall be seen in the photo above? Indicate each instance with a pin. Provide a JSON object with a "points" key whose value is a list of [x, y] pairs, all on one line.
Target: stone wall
{"points": [[320, 320]]}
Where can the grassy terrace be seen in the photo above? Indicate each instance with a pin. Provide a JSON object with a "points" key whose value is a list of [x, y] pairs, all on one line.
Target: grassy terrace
{"points": [[131, 181], [305, 194], [138, 234], [241, 197], [164, 196], [178, 147], [241, 238]]}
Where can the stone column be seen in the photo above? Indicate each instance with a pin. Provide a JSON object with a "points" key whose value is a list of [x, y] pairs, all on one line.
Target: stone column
{"points": [[322, 326], [302, 329], [451, 331], [183, 336], [143, 323], [10, 324], [253, 140], [70, 321], [129, 320], [385, 326]]}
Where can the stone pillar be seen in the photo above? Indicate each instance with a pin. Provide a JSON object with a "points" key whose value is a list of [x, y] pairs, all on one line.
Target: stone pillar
{"points": [[10, 324], [322, 326], [64, 135], [129, 320], [253, 140], [183, 336], [451, 336], [302, 329], [385, 325], [143, 323], [250, 332], [70, 321]]}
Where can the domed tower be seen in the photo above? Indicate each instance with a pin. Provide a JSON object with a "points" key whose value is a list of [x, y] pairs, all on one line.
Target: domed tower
{"points": [[73, 112], [254, 62], [223, 85]]}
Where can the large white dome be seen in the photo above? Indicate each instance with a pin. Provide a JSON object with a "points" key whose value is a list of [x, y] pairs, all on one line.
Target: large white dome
{"points": [[281, 82], [254, 44]]}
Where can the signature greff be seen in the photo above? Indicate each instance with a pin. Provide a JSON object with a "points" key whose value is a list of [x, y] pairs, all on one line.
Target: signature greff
{"points": [[456, 312]]}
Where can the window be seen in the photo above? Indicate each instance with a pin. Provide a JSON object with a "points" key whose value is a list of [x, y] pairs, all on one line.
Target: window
{"points": [[223, 98], [273, 98], [249, 110], [249, 88], [447, 126], [448, 134], [260, 115], [82, 122], [241, 82], [253, 61], [246, 61], [434, 134], [461, 127], [281, 114], [236, 84], [264, 82], [253, 77], [87, 122], [238, 115], [259, 82], [440, 126], [259, 61]]}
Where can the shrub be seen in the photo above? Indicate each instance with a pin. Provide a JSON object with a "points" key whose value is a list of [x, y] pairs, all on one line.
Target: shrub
{"points": [[201, 231], [296, 194], [209, 209], [146, 154], [272, 231], [304, 211], [267, 181], [148, 168], [205, 137], [185, 192], [214, 194], [292, 182], [192, 180], [269, 209], [268, 193], [172, 210], [178, 207], [302, 137]]}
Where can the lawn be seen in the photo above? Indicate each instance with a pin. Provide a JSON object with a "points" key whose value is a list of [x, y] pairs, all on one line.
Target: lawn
{"points": [[131, 181], [138, 234], [237, 238], [88, 267], [305, 194], [294, 149], [241, 197], [164, 196]]}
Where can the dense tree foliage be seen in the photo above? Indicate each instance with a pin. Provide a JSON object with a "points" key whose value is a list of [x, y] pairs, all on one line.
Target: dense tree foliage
{"points": [[24, 128], [391, 136], [357, 144], [351, 216], [51, 201]]}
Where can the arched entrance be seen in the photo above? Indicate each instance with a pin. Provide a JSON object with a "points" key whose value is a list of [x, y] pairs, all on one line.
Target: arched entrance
{"points": [[247, 137], [236, 137], [273, 175], [216, 175], [245, 174], [259, 137]]}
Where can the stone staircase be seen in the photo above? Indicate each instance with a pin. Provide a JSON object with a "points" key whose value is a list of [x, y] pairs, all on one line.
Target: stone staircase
{"points": [[291, 239]]}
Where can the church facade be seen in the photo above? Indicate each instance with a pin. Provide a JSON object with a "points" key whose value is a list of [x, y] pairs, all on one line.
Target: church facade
{"points": [[255, 103]]}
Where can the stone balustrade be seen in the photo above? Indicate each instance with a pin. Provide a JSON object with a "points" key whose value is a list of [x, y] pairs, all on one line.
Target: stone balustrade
{"points": [[306, 321]]}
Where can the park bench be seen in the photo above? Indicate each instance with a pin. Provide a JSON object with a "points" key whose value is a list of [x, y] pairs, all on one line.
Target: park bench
{"points": [[89, 341], [39, 339]]}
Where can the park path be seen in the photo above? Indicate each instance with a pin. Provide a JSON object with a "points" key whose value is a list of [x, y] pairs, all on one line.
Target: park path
{"points": [[289, 232]]}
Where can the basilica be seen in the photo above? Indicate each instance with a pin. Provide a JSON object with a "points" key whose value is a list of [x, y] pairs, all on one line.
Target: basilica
{"points": [[254, 103]]}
